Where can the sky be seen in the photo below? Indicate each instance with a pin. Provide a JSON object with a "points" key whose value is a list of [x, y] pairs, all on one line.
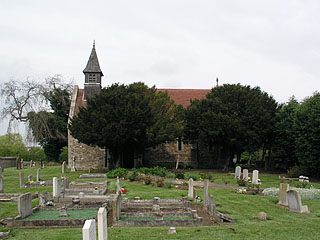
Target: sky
{"points": [[169, 43]]}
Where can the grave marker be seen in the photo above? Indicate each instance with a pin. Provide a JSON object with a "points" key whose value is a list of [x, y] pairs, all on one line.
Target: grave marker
{"points": [[237, 174], [255, 177], [89, 230], [294, 202], [38, 175], [102, 224], [21, 179], [190, 190], [1, 181], [30, 178], [31, 163], [25, 205], [118, 185], [63, 168], [205, 191], [56, 187], [283, 200], [245, 175], [211, 206]]}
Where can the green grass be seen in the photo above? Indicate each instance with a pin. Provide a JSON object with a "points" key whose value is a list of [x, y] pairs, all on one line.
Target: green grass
{"points": [[74, 214], [280, 224]]}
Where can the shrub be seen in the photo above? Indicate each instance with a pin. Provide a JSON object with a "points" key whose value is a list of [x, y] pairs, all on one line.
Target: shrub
{"points": [[194, 177], [295, 171], [133, 175], [241, 182], [159, 171], [147, 180], [121, 172], [179, 174], [169, 185], [160, 182]]}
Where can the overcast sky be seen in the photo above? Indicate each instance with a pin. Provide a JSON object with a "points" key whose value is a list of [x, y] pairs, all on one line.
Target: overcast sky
{"points": [[169, 43]]}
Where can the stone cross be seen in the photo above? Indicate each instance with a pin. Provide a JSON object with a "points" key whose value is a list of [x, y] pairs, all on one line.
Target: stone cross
{"points": [[30, 178], [255, 176], [294, 202], [38, 175], [89, 230], [245, 175], [190, 190], [21, 179], [205, 191], [283, 200], [102, 224], [56, 187], [25, 205], [237, 174]]}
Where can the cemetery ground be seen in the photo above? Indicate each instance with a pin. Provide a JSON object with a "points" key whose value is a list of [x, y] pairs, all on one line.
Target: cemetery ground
{"points": [[244, 209]]}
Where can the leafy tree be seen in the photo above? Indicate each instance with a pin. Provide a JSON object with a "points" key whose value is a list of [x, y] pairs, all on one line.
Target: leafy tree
{"points": [[124, 117], [284, 147], [233, 117], [11, 145], [307, 126]]}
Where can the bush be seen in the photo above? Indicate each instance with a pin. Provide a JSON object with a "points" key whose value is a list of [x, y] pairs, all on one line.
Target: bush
{"points": [[241, 182], [147, 180], [160, 182], [179, 174], [121, 172], [63, 157], [168, 185], [155, 171], [133, 175], [194, 177], [295, 171]]}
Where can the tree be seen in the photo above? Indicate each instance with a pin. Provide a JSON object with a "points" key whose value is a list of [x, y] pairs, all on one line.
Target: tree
{"points": [[123, 118], [11, 145], [44, 107], [307, 126], [233, 117]]}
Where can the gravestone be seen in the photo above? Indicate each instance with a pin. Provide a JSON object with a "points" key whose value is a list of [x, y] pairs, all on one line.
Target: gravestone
{"points": [[56, 187], [1, 181], [73, 166], [294, 202], [237, 174], [205, 191], [102, 224], [262, 216], [21, 179], [156, 200], [190, 190], [22, 164], [118, 185], [30, 178], [31, 163], [283, 200], [25, 205], [255, 177], [211, 206], [63, 168], [38, 175], [18, 163], [63, 212], [245, 175], [89, 230], [172, 230]]}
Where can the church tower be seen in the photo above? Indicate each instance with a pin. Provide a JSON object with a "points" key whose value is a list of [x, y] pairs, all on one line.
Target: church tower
{"points": [[93, 74]]}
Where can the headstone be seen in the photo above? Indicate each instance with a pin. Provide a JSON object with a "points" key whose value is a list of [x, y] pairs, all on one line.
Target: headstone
{"points": [[18, 163], [42, 200], [22, 164], [245, 175], [118, 185], [237, 174], [205, 191], [118, 205], [89, 230], [294, 202], [81, 194], [190, 190], [42, 165], [255, 177], [30, 178], [156, 200], [63, 170], [65, 182], [31, 163], [63, 212], [172, 230], [56, 187], [211, 206], [262, 216], [1, 181], [102, 224], [155, 208], [283, 200], [73, 167], [38, 175], [25, 205], [21, 179]]}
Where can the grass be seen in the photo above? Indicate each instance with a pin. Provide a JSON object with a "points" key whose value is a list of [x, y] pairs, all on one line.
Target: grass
{"points": [[74, 214], [244, 209]]}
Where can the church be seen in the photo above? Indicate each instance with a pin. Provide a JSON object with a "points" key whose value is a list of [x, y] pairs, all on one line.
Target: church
{"points": [[84, 157]]}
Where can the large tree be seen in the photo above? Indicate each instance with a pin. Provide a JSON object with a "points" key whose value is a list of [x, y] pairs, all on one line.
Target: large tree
{"points": [[123, 117], [233, 117], [43, 106]]}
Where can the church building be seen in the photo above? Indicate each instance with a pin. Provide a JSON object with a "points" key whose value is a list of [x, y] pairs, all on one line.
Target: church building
{"points": [[84, 157]]}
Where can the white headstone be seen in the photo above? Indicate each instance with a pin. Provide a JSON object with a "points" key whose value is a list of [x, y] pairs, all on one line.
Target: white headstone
{"points": [[63, 168], [89, 230], [102, 224], [172, 230], [21, 179], [190, 190], [38, 175], [237, 174], [245, 175], [56, 187], [255, 177], [205, 192]]}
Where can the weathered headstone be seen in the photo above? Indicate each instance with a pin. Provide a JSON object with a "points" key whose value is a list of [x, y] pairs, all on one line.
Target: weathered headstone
{"points": [[63, 212], [237, 174], [172, 230], [255, 177], [30, 178], [56, 187], [294, 202], [205, 191], [102, 224], [1, 181], [118, 185], [283, 200], [89, 230], [31, 164], [22, 164], [18, 163], [25, 205], [190, 190], [73, 166], [63, 168], [21, 179], [245, 175], [211, 206], [38, 175]]}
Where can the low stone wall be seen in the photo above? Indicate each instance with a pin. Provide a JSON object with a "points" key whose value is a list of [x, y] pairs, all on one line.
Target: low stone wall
{"points": [[158, 223], [58, 223], [7, 162]]}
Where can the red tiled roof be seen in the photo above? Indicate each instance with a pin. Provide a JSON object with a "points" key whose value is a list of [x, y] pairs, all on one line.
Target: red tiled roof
{"points": [[179, 96], [183, 96]]}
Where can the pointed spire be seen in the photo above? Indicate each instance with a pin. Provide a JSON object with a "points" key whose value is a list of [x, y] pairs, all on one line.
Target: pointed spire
{"points": [[93, 63], [217, 81]]}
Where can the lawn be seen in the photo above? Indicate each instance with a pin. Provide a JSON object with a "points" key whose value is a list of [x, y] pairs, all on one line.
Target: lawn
{"points": [[280, 224]]}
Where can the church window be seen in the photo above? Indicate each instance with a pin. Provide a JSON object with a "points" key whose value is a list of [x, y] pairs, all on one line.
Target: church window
{"points": [[180, 145], [92, 78]]}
